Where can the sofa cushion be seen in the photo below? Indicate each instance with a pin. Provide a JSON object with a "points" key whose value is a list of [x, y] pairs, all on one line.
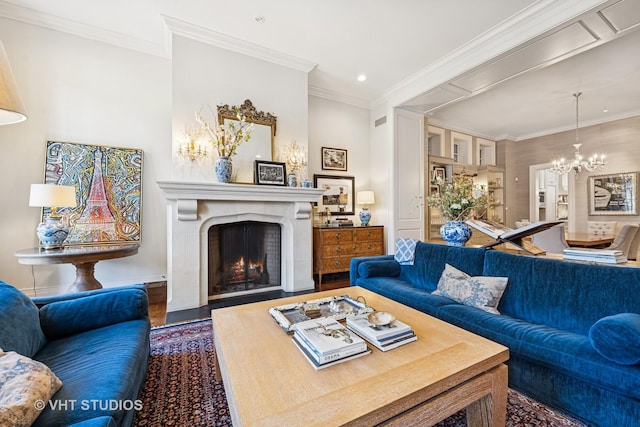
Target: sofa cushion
{"points": [[405, 293], [430, 261], [617, 338], [92, 310], [563, 294], [566, 352], [475, 291], [102, 365], [379, 269], [20, 331], [24, 385]]}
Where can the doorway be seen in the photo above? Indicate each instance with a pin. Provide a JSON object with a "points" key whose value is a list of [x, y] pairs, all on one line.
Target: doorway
{"points": [[551, 196]]}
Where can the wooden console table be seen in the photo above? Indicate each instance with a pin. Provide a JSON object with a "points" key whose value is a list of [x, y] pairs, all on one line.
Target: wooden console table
{"points": [[587, 240], [83, 257], [333, 247]]}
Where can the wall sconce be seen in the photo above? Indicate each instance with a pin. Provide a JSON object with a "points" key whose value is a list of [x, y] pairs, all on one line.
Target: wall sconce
{"points": [[365, 198], [11, 108], [296, 160], [190, 148], [53, 231]]}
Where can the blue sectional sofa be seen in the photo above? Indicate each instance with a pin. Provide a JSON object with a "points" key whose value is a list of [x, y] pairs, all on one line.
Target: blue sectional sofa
{"points": [[95, 342], [573, 329]]}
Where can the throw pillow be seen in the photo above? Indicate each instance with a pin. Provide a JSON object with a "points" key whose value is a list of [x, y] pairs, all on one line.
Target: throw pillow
{"points": [[24, 385], [617, 338], [479, 291], [405, 250]]}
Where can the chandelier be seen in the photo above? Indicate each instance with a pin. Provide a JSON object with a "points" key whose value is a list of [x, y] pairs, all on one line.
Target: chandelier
{"points": [[594, 163]]}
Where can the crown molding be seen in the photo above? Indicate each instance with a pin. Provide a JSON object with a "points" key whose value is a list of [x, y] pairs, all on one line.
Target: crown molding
{"points": [[515, 31], [224, 41], [339, 97], [45, 20]]}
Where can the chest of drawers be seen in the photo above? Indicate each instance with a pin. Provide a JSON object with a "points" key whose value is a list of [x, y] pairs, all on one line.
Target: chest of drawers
{"points": [[334, 247]]}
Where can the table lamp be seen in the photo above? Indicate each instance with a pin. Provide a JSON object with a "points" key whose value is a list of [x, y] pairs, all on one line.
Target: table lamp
{"points": [[365, 198], [53, 231], [11, 108]]}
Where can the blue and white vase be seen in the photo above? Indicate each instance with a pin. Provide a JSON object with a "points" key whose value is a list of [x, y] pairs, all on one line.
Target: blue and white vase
{"points": [[52, 233], [455, 233], [223, 168], [365, 216]]}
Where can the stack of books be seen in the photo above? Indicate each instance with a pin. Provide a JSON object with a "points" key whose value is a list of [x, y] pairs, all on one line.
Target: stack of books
{"points": [[608, 256], [325, 342], [384, 337]]}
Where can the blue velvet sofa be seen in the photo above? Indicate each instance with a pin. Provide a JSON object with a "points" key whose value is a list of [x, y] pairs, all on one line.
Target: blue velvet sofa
{"points": [[95, 342], [573, 329]]}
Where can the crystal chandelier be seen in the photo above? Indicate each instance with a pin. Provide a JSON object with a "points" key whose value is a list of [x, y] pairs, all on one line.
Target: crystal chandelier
{"points": [[594, 163]]}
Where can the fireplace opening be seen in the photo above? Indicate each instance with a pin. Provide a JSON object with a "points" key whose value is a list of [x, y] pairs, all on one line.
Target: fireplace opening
{"points": [[243, 256]]}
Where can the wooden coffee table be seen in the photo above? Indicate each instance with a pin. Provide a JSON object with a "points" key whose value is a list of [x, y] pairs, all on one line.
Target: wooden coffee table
{"points": [[269, 383]]}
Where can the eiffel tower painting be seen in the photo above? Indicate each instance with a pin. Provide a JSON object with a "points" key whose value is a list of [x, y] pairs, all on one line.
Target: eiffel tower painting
{"points": [[108, 182]]}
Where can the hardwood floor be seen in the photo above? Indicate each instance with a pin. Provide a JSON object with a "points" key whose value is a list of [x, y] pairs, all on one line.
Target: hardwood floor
{"points": [[158, 301]]}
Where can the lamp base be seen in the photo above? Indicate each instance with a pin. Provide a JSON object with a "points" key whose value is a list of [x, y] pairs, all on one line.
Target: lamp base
{"points": [[52, 233], [365, 216]]}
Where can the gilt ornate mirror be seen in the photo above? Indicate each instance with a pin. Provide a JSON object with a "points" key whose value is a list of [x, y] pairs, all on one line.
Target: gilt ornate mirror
{"points": [[261, 144]]}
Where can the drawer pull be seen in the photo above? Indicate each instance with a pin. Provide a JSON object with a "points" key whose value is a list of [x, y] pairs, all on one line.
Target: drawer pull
{"points": [[337, 235], [369, 247], [338, 249], [337, 263], [369, 234]]}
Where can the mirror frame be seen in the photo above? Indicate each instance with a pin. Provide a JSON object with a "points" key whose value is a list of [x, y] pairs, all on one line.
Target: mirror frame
{"points": [[251, 115]]}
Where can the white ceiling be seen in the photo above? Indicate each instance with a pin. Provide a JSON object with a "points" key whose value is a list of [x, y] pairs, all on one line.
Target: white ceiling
{"points": [[390, 42]]}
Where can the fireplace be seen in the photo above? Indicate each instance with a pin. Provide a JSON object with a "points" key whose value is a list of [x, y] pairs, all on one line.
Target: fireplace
{"points": [[243, 257], [194, 207]]}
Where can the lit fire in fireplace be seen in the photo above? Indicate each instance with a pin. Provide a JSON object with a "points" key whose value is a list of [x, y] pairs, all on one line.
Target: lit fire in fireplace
{"points": [[243, 272]]}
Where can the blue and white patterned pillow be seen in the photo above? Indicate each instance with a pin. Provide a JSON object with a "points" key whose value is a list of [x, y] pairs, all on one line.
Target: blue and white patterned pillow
{"points": [[483, 292], [24, 385], [405, 250]]}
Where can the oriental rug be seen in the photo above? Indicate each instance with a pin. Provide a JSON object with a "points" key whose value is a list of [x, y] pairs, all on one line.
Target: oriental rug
{"points": [[180, 389]]}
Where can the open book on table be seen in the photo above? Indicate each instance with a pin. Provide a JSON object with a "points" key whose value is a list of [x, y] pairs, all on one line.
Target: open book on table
{"points": [[504, 234]]}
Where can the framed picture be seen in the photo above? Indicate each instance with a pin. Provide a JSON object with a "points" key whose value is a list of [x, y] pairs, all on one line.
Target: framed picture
{"points": [[334, 159], [438, 174], [270, 173], [108, 182], [338, 195], [614, 194]]}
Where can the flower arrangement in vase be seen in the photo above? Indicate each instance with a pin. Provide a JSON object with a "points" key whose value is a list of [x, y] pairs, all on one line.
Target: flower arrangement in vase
{"points": [[226, 138], [458, 200]]}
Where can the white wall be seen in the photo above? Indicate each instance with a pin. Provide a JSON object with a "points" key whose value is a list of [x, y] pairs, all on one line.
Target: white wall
{"points": [[79, 90], [206, 75], [338, 125]]}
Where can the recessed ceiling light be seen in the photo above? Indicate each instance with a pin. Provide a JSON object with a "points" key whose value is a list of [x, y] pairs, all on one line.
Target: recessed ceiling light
{"points": [[362, 77], [260, 19], [605, 111]]}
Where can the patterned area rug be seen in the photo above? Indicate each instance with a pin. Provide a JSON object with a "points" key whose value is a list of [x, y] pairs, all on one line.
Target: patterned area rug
{"points": [[180, 389]]}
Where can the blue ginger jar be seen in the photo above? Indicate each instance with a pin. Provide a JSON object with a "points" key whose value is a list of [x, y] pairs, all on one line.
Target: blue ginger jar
{"points": [[455, 233], [223, 168]]}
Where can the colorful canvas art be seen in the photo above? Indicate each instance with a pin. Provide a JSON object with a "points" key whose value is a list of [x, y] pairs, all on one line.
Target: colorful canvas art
{"points": [[108, 182]]}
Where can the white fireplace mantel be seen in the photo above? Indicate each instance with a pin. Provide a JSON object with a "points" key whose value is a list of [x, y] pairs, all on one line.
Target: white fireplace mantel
{"points": [[193, 207]]}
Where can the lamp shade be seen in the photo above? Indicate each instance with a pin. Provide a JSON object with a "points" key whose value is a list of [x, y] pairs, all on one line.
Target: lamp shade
{"points": [[365, 198], [51, 195], [11, 108]]}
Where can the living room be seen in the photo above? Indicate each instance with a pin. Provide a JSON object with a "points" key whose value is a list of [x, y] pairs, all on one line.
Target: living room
{"points": [[87, 84]]}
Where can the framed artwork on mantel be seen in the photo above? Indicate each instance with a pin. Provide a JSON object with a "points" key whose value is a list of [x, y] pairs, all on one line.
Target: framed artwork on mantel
{"points": [[614, 194], [338, 196]]}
